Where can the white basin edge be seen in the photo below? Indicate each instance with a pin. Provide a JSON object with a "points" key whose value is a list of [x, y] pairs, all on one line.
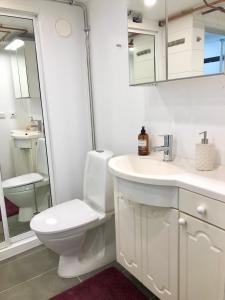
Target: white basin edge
{"points": [[203, 185]]}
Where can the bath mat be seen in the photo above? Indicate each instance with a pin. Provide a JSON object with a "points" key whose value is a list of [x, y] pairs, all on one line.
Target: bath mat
{"points": [[107, 285], [11, 209]]}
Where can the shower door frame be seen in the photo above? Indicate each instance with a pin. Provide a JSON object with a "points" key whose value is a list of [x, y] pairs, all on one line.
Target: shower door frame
{"points": [[29, 234]]}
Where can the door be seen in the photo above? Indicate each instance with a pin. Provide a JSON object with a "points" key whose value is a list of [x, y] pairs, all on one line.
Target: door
{"points": [[128, 235], [23, 142], [202, 260], [160, 251]]}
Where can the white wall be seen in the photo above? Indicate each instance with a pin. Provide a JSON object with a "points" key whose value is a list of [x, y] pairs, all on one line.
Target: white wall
{"points": [[65, 81], [183, 108]]}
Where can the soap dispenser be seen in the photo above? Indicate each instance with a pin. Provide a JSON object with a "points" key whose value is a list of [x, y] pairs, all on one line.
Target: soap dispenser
{"points": [[143, 143], [204, 154]]}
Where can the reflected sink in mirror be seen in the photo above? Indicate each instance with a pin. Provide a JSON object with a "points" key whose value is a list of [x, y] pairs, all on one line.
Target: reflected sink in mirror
{"points": [[25, 134], [24, 139]]}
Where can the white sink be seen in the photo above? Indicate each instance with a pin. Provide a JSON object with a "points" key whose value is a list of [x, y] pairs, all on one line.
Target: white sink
{"points": [[23, 138], [133, 165], [144, 169], [151, 171], [25, 134]]}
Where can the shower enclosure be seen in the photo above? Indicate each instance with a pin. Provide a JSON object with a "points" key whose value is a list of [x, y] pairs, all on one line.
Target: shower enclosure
{"points": [[24, 174]]}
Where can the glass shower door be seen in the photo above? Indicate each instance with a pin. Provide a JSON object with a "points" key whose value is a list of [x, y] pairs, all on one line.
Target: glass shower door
{"points": [[25, 181], [4, 232]]}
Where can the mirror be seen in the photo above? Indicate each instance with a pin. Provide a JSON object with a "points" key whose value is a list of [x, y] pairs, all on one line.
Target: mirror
{"points": [[23, 156], [196, 38], [146, 42]]}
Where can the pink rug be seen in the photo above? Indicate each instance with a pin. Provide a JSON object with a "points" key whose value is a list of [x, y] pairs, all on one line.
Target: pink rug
{"points": [[107, 285]]}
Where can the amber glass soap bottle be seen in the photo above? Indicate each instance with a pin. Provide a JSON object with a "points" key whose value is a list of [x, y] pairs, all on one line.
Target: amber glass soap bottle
{"points": [[143, 142]]}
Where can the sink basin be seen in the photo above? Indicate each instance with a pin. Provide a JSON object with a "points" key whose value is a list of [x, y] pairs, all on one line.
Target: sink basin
{"points": [[144, 180], [143, 169], [25, 134], [23, 138], [133, 172]]}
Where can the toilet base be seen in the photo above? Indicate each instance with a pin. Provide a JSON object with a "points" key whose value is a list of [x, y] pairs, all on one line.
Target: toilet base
{"points": [[98, 250], [70, 267], [25, 214]]}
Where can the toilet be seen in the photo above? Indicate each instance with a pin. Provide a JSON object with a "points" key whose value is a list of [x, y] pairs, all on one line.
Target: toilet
{"points": [[82, 232], [21, 189]]}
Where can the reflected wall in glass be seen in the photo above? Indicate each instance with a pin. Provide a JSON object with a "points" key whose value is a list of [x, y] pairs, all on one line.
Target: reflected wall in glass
{"points": [[23, 156], [146, 42], [196, 35]]}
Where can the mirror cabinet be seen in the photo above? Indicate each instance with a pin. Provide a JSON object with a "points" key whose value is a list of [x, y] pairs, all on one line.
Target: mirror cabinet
{"points": [[170, 39]]}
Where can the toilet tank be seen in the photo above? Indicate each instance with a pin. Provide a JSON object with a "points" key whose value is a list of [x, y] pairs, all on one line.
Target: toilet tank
{"points": [[41, 159], [98, 182]]}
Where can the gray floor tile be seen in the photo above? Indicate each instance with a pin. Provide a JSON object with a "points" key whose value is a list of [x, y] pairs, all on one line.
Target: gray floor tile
{"points": [[22, 255], [39, 288], [27, 267]]}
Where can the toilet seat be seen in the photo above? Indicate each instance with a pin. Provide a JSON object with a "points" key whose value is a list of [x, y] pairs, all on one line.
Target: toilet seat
{"points": [[22, 180], [70, 215]]}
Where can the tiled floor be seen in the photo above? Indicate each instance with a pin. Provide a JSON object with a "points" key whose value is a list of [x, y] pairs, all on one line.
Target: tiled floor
{"points": [[33, 276]]}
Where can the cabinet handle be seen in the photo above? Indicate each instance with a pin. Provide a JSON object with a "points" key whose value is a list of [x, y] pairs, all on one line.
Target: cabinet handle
{"points": [[201, 210], [182, 221]]}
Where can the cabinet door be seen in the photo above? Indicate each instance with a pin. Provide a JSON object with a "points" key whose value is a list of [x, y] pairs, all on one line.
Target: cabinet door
{"points": [[128, 235], [160, 251], [202, 260]]}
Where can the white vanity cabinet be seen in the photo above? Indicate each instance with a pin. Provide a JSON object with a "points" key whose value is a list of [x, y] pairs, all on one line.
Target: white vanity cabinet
{"points": [[202, 247], [170, 227], [160, 251], [147, 244], [202, 260], [128, 235], [178, 254]]}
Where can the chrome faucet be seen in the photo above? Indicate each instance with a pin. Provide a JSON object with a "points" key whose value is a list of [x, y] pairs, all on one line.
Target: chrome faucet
{"points": [[167, 148]]}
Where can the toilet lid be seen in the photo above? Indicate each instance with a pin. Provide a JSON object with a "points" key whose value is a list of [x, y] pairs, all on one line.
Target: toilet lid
{"points": [[22, 180], [69, 215]]}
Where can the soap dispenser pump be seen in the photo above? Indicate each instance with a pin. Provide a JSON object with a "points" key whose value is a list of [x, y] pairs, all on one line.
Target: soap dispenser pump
{"points": [[204, 154], [204, 140]]}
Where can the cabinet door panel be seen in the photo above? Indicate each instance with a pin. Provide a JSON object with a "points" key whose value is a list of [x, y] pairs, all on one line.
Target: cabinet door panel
{"points": [[202, 261], [128, 235], [160, 251]]}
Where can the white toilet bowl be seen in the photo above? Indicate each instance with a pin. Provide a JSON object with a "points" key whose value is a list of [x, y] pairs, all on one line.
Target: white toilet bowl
{"points": [[24, 198], [78, 234], [30, 192], [82, 232]]}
